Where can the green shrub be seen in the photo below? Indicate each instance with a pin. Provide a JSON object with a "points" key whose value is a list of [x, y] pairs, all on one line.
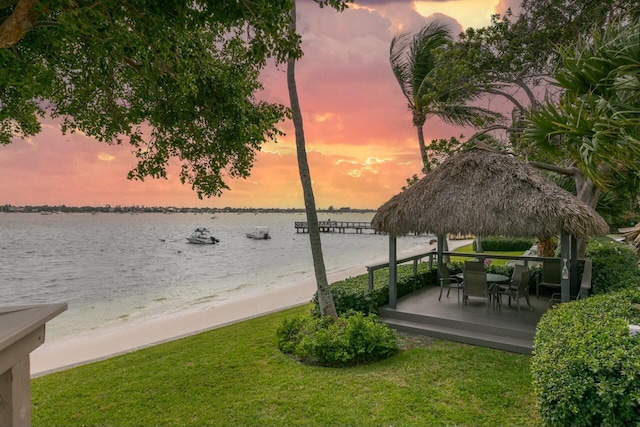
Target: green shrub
{"points": [[585, 366], [354, 294], [352, 339], [289, 333], [615, 266], [504, 244]]}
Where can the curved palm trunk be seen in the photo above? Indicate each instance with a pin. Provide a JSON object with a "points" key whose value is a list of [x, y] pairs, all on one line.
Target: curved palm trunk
{"points": [[325, 299], [425, 168], [423, 149]]}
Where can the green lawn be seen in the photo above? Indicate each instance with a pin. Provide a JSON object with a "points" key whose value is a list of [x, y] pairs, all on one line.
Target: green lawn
{"points": [[469, 249], [236, 376]]}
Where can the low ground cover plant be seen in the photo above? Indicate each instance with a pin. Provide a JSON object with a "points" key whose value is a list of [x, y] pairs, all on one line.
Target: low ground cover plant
{"points": [[352, 339], [585, 364]]}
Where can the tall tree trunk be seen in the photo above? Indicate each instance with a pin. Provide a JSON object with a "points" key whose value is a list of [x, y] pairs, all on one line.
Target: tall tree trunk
{"points": [[423, 149], [418, 121], [546, 248], [587, 192], [325, 299]]}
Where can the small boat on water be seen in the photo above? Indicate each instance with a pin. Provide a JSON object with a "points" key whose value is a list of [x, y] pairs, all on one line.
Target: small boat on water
{"points": [[259, 233], [202, 236]]}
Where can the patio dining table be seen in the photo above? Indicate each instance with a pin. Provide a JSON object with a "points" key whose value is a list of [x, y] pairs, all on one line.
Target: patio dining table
{"points": [[491, 278]]}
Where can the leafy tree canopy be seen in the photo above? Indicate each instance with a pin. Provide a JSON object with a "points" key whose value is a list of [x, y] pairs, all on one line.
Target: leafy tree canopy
{"points": [[176, 78], [597, 119], [515, 55]]}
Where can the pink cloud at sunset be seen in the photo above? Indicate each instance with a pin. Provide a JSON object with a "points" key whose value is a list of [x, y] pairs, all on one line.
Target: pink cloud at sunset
{"points": [[360, 140]]}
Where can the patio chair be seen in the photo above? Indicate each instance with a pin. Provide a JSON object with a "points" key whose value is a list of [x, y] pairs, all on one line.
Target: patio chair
{"points": [[474, 265], [585, 285], [551, 273], [448, 281], [518, 288], [516, 276], [475, 285]]}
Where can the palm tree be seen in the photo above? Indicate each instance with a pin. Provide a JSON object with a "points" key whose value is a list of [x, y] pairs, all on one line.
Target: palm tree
{"points": [[413, 61], [325, 299]]}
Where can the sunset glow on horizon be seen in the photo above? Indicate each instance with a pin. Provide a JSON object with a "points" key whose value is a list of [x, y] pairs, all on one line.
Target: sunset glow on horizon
{"points": [[361, 143]]}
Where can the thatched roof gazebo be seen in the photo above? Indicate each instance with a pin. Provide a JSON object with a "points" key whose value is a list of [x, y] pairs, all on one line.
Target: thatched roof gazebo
{"points": [[485, 192]]}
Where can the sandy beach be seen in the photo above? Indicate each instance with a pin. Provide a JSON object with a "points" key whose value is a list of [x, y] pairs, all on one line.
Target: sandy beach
{"points": [[56, 356]]}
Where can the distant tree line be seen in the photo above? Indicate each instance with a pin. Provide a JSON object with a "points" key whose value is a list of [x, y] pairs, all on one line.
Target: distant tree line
{"points": [[162, 209]]}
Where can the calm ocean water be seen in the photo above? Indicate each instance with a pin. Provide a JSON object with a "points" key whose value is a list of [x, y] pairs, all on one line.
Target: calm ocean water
{"points": [[115, 267]]}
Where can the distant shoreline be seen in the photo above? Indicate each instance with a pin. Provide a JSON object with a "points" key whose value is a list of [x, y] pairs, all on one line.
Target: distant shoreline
{"points": [[167, 209]]}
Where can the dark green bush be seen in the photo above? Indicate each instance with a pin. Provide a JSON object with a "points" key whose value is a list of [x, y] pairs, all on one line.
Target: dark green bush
{"points": [[585, 366], [504, 244], [288, 334], [353, 293], [352, 339], [615, 266]]}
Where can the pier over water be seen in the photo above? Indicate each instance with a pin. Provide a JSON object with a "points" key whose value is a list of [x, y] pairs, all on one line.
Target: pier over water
{"points": [[333, 226]]}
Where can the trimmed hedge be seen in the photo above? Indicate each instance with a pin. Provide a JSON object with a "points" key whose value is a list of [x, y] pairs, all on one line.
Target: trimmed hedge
{"points": [[585, 366], [352, 339], [615, 265], [353, 293], [504, 244]]}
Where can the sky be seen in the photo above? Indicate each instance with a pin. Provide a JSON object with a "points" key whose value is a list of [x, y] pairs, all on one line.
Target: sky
{"points": [[360, 140]]}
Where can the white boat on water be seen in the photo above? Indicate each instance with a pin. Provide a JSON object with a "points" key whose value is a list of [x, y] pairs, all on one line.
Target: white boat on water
{"points": [[202, 236], [259, 233]]}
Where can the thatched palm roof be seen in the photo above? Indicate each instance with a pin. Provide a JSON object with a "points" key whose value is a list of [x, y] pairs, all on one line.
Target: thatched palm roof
{"points": [[484, 192]]}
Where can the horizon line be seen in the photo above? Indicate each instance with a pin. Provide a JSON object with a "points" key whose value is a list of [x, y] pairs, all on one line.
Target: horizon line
{"points": [[4, 207]]}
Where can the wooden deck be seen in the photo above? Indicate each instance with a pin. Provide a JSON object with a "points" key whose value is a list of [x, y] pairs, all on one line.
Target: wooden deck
{"points": [[506, 329]]}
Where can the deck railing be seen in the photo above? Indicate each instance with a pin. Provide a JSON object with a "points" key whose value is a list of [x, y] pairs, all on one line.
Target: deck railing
{"points": [[433, 256]]}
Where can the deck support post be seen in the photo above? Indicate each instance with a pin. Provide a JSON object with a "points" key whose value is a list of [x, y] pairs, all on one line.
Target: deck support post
{"points": [[393, 268], [440, 250], [565, 258], [575, 288]]}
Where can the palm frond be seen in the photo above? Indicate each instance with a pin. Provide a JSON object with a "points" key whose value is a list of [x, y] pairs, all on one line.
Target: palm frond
{"points": [[423, 46], [401, 63], [412, 58], [463, 115]]}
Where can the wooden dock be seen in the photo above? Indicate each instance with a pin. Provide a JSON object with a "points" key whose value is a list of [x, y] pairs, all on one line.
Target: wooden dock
{"points": [[334, 226]]}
